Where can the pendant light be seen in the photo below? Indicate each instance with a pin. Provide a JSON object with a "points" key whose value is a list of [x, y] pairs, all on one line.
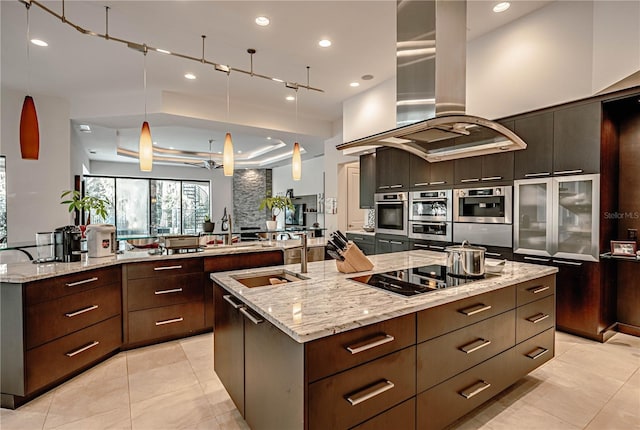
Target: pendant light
{"points": [[296, 160], [145, 149], [29, 130], [227, 153]]}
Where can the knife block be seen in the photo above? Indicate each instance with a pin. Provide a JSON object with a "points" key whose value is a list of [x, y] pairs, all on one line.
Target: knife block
{"points": [[354, 260]]}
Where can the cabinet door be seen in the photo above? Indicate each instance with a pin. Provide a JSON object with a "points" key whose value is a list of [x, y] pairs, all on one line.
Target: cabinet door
{"points": [[537, 159], [228, 333], [442, 173], [468, 170], [392, 169], [419, 172], [497, 167], [383, 246], [576, 139], [367, 180], [399, 245], [274, 371]]}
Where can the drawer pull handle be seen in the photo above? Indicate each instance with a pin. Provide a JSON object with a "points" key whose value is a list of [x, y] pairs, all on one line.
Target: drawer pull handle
{"points": [[470, 180], [370, 392], [476, 388], [420, 184], [229, 298], [396, 186], [81, 311], [493, 254], [383, 241], [82, 349], [86, 281], [253, 319], [475, 345], [437, 182], [370, 343], [568, 263], [537, 290], [544, 260], [492, 178], [538, 352], [395, 242], [358, 238], [535, 175], [168, 267], [174, 290], [538, 317], [171, 321], [475, 309], [436, 247], [567, 172], [383, 187]]}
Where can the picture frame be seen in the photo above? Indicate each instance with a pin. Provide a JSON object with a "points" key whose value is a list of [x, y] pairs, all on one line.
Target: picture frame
{"points": [[624, 248]]}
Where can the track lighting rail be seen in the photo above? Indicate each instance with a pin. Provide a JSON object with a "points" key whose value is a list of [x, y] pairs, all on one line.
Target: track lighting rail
{"points": [[143, 47]]}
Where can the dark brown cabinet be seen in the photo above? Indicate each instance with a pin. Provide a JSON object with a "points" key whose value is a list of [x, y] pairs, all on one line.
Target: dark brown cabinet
{"points": [[367, 181], [576, 139], [484, 169], [390, 243], [468, 171], [366, 242], [537, 160], [425, 174], [392, 172]]}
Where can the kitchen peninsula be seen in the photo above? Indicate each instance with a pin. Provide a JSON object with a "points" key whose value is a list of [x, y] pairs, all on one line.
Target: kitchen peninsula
{"points": [[328, 352], [58, 319]]}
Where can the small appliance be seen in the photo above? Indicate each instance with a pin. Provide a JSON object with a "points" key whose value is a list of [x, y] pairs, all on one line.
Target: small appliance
{"points": [[492, 205], [67, 242], [101, 240]]}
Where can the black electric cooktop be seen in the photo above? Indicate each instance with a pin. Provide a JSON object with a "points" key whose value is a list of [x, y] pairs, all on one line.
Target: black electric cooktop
{"points": [[416, 280]]}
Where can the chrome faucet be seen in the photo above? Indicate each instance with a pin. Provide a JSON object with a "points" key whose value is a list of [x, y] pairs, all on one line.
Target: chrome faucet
{"points": [[303, 253], [229, 236]]}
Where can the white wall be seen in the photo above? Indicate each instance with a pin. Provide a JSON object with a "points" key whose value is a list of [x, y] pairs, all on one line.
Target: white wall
{"points": [[370, 112], [312, 181], [334, 161], [34, 186]]}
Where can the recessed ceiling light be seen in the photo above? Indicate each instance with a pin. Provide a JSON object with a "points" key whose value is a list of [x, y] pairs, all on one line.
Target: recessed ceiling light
{"points": [[39, 42], [239, 152], [262, 21], [501, 7], [325, 43], [354, 84], [190, 76], [268, 137], [291, 98], [163, 51], [171, 147]]}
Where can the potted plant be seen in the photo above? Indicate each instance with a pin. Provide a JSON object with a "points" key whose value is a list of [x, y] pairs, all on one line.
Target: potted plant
{"points": [[207, 225], [275, 204], [88, 203]]}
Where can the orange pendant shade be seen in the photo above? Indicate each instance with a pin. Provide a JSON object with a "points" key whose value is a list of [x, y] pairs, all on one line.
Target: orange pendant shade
{"points": [[227, 156], [296, 163], [145, 151], [29, 131]]}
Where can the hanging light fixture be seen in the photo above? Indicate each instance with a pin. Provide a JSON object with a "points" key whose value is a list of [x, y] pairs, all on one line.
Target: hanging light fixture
{"points": [[227, 152], [296, 159], [145, 149], [29, 130]]}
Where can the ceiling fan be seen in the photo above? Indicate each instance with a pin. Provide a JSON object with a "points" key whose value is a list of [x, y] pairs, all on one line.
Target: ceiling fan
{"points": [[209, 164]]}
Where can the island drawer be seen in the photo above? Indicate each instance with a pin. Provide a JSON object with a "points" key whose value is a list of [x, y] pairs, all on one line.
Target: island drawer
{"points": [[59, 358], [534, 352], [399, 417], [445, 356], [53, 288], [351, 397], [535, 317], [452, 316], [535, 289], [56, 318], [446, 402], [164, 322], [342, 351], [147, 293], [222, 263], [163, 268]]}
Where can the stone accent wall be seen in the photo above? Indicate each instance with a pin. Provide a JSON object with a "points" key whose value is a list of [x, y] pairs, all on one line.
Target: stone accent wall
{"points": [[250, 186]]}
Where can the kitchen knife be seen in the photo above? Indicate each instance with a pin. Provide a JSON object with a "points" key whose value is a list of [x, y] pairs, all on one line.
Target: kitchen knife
{"points": [[333, 252], [337, 240], [342, 236]]}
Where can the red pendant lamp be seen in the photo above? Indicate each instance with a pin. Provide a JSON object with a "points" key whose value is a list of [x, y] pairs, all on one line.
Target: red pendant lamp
{"points": [[29, 130]]}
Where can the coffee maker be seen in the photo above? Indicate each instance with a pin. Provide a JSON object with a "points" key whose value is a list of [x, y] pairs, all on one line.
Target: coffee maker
{"points": [[67, 243]]}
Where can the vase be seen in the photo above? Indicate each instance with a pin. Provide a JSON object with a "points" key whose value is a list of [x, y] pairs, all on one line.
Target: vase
{"points": [[208, 226], [271, 225]]}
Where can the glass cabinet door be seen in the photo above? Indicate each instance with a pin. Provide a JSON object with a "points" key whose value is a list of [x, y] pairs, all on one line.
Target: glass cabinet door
{"points": [[576, 206], [533, 217]]}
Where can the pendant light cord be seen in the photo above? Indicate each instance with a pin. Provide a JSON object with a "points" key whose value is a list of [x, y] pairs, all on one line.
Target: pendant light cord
{"points": [[28, 53], [144, 79], [228, 96]]}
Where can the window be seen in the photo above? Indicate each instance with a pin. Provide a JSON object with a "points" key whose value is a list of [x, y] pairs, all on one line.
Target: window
{"points": [[151, 206], [3, 199]]}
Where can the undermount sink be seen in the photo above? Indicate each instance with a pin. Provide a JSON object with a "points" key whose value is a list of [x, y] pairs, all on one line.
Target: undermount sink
{"points": [[271, 277]]}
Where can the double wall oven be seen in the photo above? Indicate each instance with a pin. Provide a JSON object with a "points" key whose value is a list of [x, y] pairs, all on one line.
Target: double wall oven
{"points": [[430, 215], [391, 213]]}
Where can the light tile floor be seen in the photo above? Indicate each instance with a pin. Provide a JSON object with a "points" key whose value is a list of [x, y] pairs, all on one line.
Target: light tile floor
{"points": [[587, 385]]}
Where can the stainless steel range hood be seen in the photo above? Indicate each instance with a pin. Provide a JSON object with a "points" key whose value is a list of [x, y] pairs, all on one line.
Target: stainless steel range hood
{"points": [[431, 78]]}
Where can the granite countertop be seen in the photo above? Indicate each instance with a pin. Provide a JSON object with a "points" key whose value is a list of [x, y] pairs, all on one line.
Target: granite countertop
{"points": [[329, 303], [28, 271]]}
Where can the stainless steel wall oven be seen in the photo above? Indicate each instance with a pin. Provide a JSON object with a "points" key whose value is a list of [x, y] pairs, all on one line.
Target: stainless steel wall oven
{"points": [[391, 213], [430, 215], [491, 205]]}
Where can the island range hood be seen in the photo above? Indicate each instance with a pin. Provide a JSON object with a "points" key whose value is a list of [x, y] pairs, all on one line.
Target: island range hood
{"points": [[431, 80]]}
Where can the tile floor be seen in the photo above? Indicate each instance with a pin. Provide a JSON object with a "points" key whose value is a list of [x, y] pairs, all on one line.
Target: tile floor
{"points": [[587, 385]]}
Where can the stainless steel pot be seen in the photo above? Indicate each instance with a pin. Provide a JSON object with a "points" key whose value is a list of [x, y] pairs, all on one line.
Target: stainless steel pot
{"points": [[465, 260]]}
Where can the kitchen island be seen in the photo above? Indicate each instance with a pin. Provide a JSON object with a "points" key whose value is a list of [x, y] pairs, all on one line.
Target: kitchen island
{"points": [[328, 352]]}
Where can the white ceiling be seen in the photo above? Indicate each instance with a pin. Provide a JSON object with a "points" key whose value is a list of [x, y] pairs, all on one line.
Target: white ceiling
{"points": [[87, 69]]}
